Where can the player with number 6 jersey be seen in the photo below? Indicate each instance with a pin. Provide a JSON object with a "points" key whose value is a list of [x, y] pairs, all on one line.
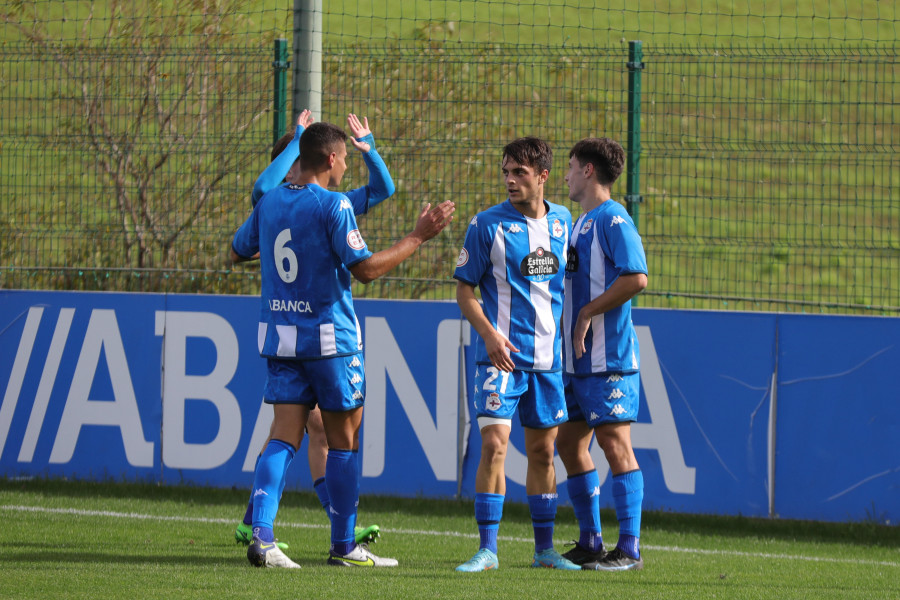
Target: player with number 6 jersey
{"points": [[294, 323], [309, 246]]}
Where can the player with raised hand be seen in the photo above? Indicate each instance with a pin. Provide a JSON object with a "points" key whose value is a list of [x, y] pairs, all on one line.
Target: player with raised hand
{"points": [[380, 187], [309, 245], [605, 270], [515, 253]]}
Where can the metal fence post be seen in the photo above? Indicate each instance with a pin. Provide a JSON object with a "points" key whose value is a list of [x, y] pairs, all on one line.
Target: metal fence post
{"points": [[635, 65], [307, 91], [633, 198], [279, 98]]}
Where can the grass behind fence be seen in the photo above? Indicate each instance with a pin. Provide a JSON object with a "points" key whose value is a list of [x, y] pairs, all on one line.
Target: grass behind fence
{"points": [[768, 169]]}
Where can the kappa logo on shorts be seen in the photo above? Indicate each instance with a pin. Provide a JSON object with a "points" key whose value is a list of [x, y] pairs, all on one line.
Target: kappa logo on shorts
{"points": [[617, 410], [357, 395], [355, 240], [614, 378], [356, 378], [616, 394], [594, 416], [560, 415], [493, 401], [355, 362]]}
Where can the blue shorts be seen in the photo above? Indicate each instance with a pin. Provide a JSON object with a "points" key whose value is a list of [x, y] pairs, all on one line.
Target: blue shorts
{"points": [[336, 384], [537, 395], [603, 398]]}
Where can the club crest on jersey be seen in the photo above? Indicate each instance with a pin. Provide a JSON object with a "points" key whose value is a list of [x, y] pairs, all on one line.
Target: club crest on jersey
{"points": [[463, 258], [557, 228], [355, 240], [539, 265], [587, 226], [493, 401]]}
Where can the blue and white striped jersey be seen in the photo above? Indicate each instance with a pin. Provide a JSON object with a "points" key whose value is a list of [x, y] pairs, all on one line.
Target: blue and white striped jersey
{"points": [[307, 238], [604, 244], [519, 265]]}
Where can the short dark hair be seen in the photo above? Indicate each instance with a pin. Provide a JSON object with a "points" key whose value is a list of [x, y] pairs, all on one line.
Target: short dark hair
{"points": [[531, 151], [318, 142], [281, 144], [605, 154]]}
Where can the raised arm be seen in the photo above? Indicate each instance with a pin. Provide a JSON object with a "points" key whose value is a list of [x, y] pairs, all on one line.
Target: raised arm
{"points": [[381, 185], [274, 174]]}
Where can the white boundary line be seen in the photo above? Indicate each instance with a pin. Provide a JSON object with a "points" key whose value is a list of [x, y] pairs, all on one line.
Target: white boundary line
{"points": [[140, 516]]}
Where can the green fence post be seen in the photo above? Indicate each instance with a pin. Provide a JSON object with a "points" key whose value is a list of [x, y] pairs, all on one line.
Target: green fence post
{"points": [[635, 65], [279, 99], [633, 198]]}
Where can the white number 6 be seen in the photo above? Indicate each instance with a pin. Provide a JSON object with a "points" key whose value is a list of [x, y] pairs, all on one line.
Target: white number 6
{"points": [[283, 253]]}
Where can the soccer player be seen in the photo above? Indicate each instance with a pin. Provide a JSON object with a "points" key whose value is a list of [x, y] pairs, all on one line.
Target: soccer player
{"points": [[606, 268], [380, 187], [309, 245], [515, 253]]}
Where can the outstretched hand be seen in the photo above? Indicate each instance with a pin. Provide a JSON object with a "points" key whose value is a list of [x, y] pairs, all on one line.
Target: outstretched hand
{"points": [[358, 129], [305, 119], [433, 220]]}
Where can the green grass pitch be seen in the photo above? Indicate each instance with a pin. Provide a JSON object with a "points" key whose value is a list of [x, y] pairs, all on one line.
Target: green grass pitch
{"points": [[101, 540]]}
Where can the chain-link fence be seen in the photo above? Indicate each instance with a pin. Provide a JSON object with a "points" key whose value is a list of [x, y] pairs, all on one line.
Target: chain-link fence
{"points": [[768, 163]]}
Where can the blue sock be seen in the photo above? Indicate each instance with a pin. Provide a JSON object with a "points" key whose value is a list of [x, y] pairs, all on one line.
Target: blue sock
{"points": [[322, 492], [628, 495], [270, 472], [584, 492], [543, 515], [248, 514], [488, 512], [342, 482]]}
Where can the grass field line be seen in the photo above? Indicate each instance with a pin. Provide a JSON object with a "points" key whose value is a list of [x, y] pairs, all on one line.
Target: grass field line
{"points": [[141, 516]]}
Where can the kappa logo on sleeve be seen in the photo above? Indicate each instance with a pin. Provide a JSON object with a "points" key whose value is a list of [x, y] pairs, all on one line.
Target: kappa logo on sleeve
{"points": [[463, 258], [355, 240], [616, 220], [345, 204]]}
